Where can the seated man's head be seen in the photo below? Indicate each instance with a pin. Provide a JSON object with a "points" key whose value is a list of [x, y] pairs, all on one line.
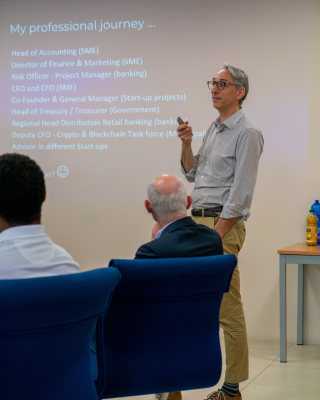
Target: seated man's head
{"points": [[167, 199], [22, 191]]}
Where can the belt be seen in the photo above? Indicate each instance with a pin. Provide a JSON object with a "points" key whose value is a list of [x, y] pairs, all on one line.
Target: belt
{"points": [[207, 212]]}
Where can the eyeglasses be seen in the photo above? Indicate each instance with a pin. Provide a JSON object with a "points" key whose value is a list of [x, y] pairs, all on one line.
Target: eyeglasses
{"points": [[220, 84]]}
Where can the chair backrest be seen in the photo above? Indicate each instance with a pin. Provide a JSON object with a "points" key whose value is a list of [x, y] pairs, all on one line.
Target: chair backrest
{"points": [[46, 325], [161, 332]]}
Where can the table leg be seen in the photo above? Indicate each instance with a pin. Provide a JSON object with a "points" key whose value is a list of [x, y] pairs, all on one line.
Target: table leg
{"points": [[283, 309], [300, 305]]}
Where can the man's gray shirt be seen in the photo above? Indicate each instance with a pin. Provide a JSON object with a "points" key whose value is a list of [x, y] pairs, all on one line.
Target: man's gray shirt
{"points": [[226, 167]]}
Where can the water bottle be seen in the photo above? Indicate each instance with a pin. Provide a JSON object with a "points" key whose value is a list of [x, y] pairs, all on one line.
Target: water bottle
{"points": [[316, 208]]}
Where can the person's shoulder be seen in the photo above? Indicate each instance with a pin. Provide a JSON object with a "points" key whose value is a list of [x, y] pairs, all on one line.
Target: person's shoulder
{"points": [[62, 256], [249, 133], [147, 250], [60, 250], [248, 126]]}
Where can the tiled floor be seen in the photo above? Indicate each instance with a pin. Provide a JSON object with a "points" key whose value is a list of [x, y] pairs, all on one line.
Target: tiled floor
{"points": [[299, 378]]}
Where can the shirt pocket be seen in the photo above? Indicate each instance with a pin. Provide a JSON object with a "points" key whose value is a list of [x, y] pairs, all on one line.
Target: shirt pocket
{"points": [[225, 166]]}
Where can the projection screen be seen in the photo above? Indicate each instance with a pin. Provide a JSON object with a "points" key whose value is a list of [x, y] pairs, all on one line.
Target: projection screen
{"points": [[92, 89]]}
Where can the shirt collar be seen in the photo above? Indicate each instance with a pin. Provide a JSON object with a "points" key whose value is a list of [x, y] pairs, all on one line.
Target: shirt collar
{"points": [[161, 230], [22, 231], [231, 121]]}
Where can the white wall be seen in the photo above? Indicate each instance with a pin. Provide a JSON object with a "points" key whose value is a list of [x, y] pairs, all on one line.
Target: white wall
{"points": [[312, 273], [286, 188]]}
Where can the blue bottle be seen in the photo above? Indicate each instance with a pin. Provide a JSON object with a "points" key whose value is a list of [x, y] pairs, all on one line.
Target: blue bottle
{"points": [[316, 208]]}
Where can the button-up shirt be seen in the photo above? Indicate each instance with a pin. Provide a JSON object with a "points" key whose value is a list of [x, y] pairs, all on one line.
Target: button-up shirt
{"points": [[226, 166], [27, 252]]}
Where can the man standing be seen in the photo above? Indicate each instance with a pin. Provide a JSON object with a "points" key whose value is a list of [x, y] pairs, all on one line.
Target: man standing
{"points": [[25, 250], [225, 172]]}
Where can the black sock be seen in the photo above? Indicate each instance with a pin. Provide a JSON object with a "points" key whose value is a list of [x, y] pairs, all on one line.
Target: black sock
{"points": [[230, 389]]}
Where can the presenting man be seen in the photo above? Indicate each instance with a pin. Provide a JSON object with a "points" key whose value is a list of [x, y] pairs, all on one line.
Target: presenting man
{"points": [[225, 172], [25, 250]]}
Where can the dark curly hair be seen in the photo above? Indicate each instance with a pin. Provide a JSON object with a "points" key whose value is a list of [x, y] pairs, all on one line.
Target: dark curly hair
{"points": [[22, 189]]}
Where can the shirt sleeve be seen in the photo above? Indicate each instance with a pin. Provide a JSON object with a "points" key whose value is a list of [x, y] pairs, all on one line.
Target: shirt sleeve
{"points": [[191, 175], [248, 151]]}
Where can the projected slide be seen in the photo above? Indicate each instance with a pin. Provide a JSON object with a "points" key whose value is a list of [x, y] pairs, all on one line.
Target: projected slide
{"points": [[92, 89]]}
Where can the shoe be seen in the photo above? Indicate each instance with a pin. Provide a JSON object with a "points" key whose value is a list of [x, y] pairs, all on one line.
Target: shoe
{"points": [[172, 396], [218, 395], [175, 396]]}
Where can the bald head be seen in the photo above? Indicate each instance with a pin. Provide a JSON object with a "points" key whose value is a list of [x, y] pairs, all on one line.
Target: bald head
{"points": [[167, 184], [167, 199]]}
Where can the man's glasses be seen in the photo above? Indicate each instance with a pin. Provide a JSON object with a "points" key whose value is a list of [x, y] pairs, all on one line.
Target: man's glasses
{"points": [[220, 84]]}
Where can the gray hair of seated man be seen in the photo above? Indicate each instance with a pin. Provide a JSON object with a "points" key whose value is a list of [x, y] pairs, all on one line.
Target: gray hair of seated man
{"points": [[168, 200], [240, 78]]}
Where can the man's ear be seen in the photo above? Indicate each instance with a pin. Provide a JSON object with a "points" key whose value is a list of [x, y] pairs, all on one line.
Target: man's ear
{"points": [[4, 225], [189, 202], [241, 93], [148, 206]]}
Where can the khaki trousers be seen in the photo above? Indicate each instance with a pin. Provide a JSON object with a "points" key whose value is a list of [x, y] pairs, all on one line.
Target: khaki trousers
{"points": [[232, 319]]}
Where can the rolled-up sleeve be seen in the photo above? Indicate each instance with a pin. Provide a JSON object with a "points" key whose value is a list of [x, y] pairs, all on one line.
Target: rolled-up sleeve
{"points": [[248, 151], [191, 175]]}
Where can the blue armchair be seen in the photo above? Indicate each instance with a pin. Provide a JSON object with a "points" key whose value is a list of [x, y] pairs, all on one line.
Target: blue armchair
{"points": [[46, 326], [161, 333]]}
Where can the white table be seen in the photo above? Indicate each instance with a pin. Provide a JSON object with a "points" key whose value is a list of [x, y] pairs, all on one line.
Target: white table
{"points": [[300, 254]]}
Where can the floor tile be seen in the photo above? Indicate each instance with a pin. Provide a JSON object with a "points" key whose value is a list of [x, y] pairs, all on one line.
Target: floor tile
{"points": [[296, 377], [254, 371], [255, 344], [304, 347], [300, 359], [262, 356], [259, 392]]}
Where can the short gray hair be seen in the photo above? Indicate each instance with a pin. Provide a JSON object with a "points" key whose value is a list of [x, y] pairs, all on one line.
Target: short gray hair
{"points": [[168, 204], [240, 78]]}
